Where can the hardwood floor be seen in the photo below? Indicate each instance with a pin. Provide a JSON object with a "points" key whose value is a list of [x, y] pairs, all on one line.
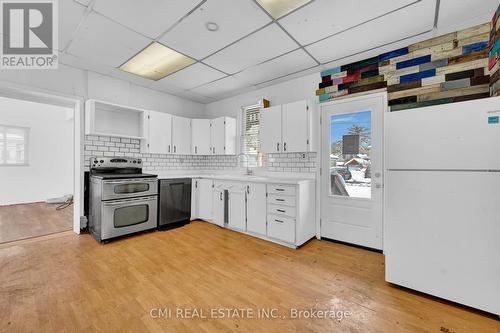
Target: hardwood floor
{"points": [[33, 220], [73, 284]]}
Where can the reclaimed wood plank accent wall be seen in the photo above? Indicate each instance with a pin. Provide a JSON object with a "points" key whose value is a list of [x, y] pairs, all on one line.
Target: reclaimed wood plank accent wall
{"points": [[449, 68], [494, 54]]}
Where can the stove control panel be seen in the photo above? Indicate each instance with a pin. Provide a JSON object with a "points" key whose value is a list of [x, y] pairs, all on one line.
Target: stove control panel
{"points": [[115, 162]]}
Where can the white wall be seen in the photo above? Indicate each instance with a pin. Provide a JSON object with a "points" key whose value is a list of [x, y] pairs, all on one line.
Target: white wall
{"points": [[84, 84], [50, 170], [285, 92]]}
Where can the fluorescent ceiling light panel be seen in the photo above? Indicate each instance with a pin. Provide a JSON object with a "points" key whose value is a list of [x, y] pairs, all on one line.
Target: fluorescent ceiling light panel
{"points": [[156, 61], [279, 8]]}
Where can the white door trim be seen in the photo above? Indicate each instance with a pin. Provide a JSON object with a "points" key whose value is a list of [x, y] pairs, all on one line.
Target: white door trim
{"points": [[21, 92], [319, 165]]}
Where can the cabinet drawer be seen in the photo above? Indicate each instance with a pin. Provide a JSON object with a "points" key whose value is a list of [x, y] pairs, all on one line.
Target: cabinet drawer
{"points": [[281, 189], [277, 199], [282, 228], [281, 210]]}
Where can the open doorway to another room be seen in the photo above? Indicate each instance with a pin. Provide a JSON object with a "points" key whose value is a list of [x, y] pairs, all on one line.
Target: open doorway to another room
{"points": [[36, 169]]}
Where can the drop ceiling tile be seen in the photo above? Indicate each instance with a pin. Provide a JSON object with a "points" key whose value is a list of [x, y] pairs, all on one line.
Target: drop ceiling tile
{"points": [[135, 79], [235, 18], [263, 45], [453, 12], [106, 42], [220, 87], [85, 64], [70, 15], [192, 76], [398, 25], [289, 63], [148, 17], [323, 18]]}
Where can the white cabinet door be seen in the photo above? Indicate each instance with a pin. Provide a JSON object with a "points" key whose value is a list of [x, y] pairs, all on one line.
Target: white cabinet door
{"points": [[204, 199], [181, 135], [270, 129], [218, 207], [159, 133], [218, 135], [200, 129], [294, 125], [237, 207], [256, 208]]}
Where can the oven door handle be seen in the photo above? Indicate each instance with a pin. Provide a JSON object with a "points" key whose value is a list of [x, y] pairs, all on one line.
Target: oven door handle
{"points": [[126, 201], [128, 181]]}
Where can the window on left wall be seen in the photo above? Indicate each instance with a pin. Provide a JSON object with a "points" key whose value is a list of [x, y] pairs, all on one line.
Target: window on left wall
{"points": [[13, 145]]}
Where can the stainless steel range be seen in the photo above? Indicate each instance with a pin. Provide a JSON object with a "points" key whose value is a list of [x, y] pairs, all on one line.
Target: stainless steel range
{"points": [[122, 199]]}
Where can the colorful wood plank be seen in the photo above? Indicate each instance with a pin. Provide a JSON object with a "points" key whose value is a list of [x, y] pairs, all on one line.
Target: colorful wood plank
{"points": [[444, 69]]}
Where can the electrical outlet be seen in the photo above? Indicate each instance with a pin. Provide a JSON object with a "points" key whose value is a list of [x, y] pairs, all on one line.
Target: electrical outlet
{"points": [[303, 156]]}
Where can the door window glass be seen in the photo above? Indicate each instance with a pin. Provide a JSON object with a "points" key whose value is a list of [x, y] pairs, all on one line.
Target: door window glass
{"points": [[350, 146], [127, 216]]}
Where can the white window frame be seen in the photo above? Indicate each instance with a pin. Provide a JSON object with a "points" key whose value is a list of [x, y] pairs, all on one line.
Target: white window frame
{"points": [[26, 130], [254, 160]]}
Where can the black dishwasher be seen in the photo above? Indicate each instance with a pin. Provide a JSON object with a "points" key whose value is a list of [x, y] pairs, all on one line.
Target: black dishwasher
{"points": [[175, 202]]}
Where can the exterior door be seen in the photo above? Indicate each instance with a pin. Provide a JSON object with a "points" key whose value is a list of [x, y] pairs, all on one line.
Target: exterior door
{"points": [[270, 129], [351, 170], [200, 136], [294, 126]]}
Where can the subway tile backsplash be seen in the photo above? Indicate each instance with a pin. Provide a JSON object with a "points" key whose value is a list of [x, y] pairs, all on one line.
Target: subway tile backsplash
{"points": [[291, 162], [110, 147]]}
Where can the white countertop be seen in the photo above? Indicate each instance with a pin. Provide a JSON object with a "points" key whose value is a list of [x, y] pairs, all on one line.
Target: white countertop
{"points": [[274, 177]]}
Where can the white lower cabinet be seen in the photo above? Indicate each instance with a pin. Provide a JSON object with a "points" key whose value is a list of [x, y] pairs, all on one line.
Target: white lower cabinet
{"points": [[203, 199], [237, 207], [218, 207], [282, 228], [284, 214], [256, 208]]}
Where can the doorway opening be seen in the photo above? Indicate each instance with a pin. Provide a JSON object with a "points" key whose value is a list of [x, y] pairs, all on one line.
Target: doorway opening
{"points": [[37, 152]]}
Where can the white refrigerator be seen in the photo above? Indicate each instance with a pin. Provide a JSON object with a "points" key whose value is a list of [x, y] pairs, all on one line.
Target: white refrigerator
{"points": [[442, 201]]}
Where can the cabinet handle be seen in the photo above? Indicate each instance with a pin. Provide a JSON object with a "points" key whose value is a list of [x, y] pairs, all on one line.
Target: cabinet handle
{"points": [[169, 148], [214, 150], [280, 210], [279, 189], [196, 149], [279, 221], [280, 199], [248, 189], [220, 196], [284, 146], [196, 184], [278, 146], [175, 149]]}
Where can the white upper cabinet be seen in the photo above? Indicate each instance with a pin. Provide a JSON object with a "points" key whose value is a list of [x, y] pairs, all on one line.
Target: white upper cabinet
{"points": [[104, 118], [294, 131], [223, 136], [289, 128], [270, 129], [159, 129], [200, 137], [181, 135]]}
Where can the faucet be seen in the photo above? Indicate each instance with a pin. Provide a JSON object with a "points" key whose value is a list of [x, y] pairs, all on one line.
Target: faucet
{"points": [[249, 172]]}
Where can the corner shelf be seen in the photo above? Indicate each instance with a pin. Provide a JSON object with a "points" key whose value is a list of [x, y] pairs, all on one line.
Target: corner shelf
{"points": [[108, 119]]}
